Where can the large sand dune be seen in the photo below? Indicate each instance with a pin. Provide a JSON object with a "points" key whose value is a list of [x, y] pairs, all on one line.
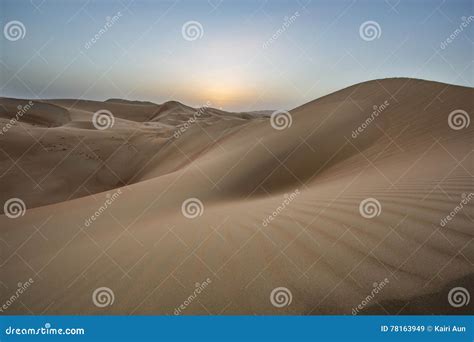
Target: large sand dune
{"points": [[280, 208]]}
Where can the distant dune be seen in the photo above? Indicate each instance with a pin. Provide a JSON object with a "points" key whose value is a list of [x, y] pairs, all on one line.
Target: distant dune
{"points": [[349, 194], [267, 113]]}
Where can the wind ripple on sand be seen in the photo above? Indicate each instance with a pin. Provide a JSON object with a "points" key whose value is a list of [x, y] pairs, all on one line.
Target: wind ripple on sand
{"points": [[319, 246]]}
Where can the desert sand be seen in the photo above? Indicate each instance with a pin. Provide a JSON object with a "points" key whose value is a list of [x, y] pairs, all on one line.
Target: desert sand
{"points": [[310, 178]]}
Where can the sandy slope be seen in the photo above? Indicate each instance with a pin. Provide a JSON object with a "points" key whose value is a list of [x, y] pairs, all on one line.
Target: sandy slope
{"points": [[54, 153], [319, 246]]}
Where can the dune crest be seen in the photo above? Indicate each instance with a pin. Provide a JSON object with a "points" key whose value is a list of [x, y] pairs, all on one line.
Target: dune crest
{"points": [[349, 195]]}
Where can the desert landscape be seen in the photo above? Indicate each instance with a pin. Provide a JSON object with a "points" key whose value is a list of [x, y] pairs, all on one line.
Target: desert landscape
{"points": [[343, 205]]}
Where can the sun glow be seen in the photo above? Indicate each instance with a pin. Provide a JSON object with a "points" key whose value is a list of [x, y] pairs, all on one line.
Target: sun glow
{"points": [[225, 88]]}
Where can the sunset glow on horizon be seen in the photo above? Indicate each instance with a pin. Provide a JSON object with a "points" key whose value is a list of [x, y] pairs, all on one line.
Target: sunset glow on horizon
{"points": [[245, 55]]}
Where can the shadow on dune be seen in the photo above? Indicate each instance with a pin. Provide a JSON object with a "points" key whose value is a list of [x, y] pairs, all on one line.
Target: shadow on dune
{"points": [[435, 303]]}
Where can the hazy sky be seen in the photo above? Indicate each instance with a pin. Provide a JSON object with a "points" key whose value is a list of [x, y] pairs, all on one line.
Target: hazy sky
{"points": [[234, 62]]}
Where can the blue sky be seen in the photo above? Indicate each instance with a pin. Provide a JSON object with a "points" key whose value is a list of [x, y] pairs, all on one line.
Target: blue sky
{"points": [[235, 63]]}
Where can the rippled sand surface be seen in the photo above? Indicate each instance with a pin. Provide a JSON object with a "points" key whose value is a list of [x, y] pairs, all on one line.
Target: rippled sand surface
{"points": [[340, 205]]}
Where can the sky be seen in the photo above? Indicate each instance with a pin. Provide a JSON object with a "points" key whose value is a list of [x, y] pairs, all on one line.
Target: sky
{"points": [[238, 55]]}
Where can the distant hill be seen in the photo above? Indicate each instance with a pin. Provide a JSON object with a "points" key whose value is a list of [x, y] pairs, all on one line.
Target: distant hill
{"points": [[134, 102]]}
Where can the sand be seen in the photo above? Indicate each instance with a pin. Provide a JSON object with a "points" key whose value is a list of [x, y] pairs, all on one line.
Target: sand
{"points": [[310, 178]]}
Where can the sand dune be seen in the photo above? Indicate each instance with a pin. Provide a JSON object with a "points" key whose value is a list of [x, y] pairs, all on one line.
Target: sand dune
{"points": [[76, 159], [37, 113], [280, 208]]}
